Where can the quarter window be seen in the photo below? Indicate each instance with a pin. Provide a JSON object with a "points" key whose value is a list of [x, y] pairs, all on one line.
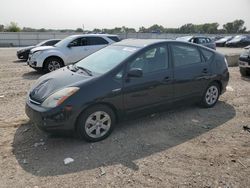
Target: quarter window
{"points": [[185, 55], [154, 59]]}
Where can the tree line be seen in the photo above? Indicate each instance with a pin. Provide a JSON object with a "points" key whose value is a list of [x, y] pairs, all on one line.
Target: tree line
{"points": [[237, 26]]}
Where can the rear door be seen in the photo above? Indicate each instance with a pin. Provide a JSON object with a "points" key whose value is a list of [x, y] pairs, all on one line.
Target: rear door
{"points": [[191, 72], [155, 86]]}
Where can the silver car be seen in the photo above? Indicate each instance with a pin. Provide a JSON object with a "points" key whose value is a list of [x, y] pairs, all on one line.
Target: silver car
{"points": [[205, 41]]}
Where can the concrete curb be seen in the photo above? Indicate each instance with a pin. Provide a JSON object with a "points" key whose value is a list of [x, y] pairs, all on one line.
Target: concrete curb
{"points": [[232, 60]]}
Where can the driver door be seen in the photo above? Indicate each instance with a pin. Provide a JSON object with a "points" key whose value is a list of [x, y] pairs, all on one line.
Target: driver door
{"points": [[155, 86], [77, 50]]}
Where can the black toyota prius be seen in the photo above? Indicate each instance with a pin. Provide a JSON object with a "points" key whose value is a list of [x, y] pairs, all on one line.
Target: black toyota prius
{"points": [[128, 77]]}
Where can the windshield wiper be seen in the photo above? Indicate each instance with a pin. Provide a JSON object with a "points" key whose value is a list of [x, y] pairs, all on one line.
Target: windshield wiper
{"points": [[85, 70], [72, 68]]}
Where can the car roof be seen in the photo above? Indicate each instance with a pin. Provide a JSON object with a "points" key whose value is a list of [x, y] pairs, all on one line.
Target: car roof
{"points": [[93, 35], [52, 40], [139, 43]]}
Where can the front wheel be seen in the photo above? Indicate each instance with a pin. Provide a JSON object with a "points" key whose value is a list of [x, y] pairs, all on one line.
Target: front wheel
{"points": [[211, 95], [52, 64], [96, 123]]}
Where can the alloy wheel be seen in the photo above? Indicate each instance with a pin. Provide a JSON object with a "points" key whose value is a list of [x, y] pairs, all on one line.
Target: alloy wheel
{"points": [[53, 65], [97, 124], [212, 95]]}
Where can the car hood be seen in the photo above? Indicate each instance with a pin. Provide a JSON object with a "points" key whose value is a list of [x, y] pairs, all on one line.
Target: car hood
{"points": [[25, 48], [221, 40], [55, 81], [42, 48]]}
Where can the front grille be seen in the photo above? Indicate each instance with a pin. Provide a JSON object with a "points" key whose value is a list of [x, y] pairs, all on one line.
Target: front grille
{"points": [[34, 102]]}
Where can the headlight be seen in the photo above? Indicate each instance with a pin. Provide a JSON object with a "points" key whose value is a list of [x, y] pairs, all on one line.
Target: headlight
{"points": [[58, 97], [37, 53]]}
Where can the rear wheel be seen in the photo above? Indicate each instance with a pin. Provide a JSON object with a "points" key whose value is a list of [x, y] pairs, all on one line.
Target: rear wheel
{"points": [[52, 64], [96, 123], [211, 95]]}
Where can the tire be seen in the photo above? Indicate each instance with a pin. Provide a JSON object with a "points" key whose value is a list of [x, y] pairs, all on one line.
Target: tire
{"points": [[211, 95], [244, 71], [52, 64], [90, 127]]}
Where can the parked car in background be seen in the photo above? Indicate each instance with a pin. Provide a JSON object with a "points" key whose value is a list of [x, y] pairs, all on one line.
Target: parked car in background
{"points": [[67, 51], [244, 62], [23, 53], [216, 38], [222, 42], [126, 78], [239, 41], [205, 41]]}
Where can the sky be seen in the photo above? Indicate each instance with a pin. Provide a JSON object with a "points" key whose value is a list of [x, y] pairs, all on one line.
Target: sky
{"points": [[72, 14]]}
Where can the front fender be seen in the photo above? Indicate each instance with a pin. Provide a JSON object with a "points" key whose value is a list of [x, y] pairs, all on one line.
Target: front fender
{"points": [[50, 53]]}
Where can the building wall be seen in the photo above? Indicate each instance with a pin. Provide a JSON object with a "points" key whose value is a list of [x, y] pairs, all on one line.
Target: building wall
{"points": [[8, 39]]}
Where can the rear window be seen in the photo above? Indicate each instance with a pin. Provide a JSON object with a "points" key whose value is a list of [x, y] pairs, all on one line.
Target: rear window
{"points": [[116, 39], [207, 54]]}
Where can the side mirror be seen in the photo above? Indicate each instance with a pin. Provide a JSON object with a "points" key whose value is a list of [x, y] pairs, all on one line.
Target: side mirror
{"points": [[135, 72], [70, 45]]}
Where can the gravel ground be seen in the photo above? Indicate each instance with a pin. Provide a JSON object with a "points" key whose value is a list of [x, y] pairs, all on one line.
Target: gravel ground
{"points": [[183, 147]]}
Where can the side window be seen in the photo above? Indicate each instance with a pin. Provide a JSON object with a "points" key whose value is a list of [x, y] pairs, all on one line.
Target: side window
{"points": [[185, 55], [207, 54], [79, 42], [208, 40], [96, 41], [154, 59], [202, 41]]}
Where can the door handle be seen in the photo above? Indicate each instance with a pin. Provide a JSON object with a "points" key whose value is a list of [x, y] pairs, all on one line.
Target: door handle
{"points": [[205, 71], [166, 79]]}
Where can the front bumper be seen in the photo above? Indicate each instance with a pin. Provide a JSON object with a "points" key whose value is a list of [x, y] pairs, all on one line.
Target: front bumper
{"points": [[31, 62], [35, 61], [244, 64], [50, 120], [22, 55]]}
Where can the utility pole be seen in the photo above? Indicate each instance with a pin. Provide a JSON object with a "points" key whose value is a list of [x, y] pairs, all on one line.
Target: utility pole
{"points": [[83, 28]]}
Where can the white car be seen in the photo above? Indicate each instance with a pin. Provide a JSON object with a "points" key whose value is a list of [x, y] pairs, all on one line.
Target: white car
{"points": [[68, 51]]}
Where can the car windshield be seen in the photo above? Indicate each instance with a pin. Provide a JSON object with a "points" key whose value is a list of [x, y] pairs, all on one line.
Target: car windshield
{"points": [[238, 37], [106, 59], [225, 38], [41, 43], [64, 42]]}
